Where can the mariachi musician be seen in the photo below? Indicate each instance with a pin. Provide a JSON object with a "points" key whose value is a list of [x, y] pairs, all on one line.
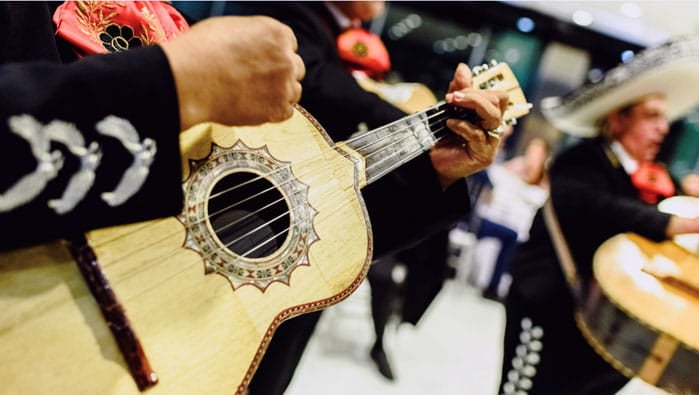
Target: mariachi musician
{"points": [[608, 183]]}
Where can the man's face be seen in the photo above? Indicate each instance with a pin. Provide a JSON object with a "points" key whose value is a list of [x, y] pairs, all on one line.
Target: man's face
{"points": [[643, 128]]}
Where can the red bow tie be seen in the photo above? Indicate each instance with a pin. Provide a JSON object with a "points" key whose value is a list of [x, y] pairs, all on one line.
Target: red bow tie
{"points": [[364, 51], [653, 182]]}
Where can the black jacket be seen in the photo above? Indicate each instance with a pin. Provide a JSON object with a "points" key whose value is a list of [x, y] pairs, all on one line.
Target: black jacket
{"points": [[39, 88], [594, 200]]}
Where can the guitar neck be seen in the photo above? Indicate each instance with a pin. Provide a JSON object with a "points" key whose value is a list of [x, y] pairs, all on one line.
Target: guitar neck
{"points": [[388, 147]]}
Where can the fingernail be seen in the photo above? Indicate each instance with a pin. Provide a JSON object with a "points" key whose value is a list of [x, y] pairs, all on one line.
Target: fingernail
{"points": [[459, 95]]}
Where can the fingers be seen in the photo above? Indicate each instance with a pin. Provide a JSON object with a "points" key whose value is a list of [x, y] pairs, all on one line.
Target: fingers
{"points": [[300, 67], [296, 92], [293, 89], [503, 99], [487, 105], [468, 131], [290, 33], [286, 34], [292, 79], [463, 78], [286, 109], [286, 113]]}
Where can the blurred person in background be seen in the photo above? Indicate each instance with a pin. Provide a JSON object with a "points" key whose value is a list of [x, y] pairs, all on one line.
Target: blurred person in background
{"points": [[607, 184]]}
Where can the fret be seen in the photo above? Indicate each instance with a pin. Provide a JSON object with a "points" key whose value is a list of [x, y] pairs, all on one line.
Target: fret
{"points": [[390, 146]]}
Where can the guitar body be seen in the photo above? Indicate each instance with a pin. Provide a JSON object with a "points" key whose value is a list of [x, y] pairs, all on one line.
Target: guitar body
{"points": [[641, 323], [203, 307]]}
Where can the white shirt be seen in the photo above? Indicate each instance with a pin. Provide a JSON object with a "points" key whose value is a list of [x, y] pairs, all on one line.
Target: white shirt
{"points": [[513, 202], [629, 164], [342, 21]]}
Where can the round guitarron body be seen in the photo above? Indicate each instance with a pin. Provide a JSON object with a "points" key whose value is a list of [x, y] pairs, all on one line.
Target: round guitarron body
{"points": [[642, 324]]}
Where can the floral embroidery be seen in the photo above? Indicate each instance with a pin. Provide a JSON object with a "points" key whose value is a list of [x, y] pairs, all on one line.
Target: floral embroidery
{"points": [[143, 156], [360, 49], [119, 38], [49, 163], [94, 26], [154, 26]]}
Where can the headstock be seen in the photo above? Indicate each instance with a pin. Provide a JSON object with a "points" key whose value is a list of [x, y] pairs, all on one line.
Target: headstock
{"points": [[499, 76]]}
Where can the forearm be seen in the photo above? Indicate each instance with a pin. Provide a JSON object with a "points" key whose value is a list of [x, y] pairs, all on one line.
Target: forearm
{"points": [[73, 100]]}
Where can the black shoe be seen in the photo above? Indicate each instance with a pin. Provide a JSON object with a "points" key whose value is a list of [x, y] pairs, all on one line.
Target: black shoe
{"points": [[379, 356]]}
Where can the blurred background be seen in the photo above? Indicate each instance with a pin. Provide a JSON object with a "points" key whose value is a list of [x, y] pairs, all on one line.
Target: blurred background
{"points": [[552, 47]]}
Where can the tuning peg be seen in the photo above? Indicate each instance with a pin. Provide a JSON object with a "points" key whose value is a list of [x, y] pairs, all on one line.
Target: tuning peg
{"points": [[484, 67]]}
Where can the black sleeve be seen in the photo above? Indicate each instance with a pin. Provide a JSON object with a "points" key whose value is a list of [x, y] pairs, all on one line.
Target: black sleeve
{"points": [[590, 193], [595, 200], [57, 128]]}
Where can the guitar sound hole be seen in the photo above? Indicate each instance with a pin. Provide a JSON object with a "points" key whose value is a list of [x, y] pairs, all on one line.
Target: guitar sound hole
{"points": [[248, 214]]}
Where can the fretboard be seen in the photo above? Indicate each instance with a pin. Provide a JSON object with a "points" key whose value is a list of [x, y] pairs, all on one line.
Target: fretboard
{"points": [[388, 147]]}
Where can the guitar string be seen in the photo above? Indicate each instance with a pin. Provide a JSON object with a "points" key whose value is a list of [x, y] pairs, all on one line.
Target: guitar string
{"points": [[308, 161], [247, 216], [357, 138], [252, 231], [375, 165], [319, 157], [152, 264], [268, 223], [169, 234], [405, 124]]}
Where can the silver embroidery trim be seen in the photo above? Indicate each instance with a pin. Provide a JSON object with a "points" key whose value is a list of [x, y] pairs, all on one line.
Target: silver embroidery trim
{"points": [[81, 182], [521, 375], [48, 163], [143, 156]]}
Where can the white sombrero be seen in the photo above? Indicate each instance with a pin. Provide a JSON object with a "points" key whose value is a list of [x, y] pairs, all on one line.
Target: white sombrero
{"points": [[671, 69]]}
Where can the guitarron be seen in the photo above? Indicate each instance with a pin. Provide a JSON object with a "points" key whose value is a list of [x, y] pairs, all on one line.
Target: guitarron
{"points": [[273, 226], [642, 311]]}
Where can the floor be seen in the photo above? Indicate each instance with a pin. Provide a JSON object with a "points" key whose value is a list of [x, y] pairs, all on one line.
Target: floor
{"points": [[453, 351]]}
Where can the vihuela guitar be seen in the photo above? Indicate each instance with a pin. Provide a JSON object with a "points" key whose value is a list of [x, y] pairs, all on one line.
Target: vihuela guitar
{"points": [[273, 226], [642, 311]]}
